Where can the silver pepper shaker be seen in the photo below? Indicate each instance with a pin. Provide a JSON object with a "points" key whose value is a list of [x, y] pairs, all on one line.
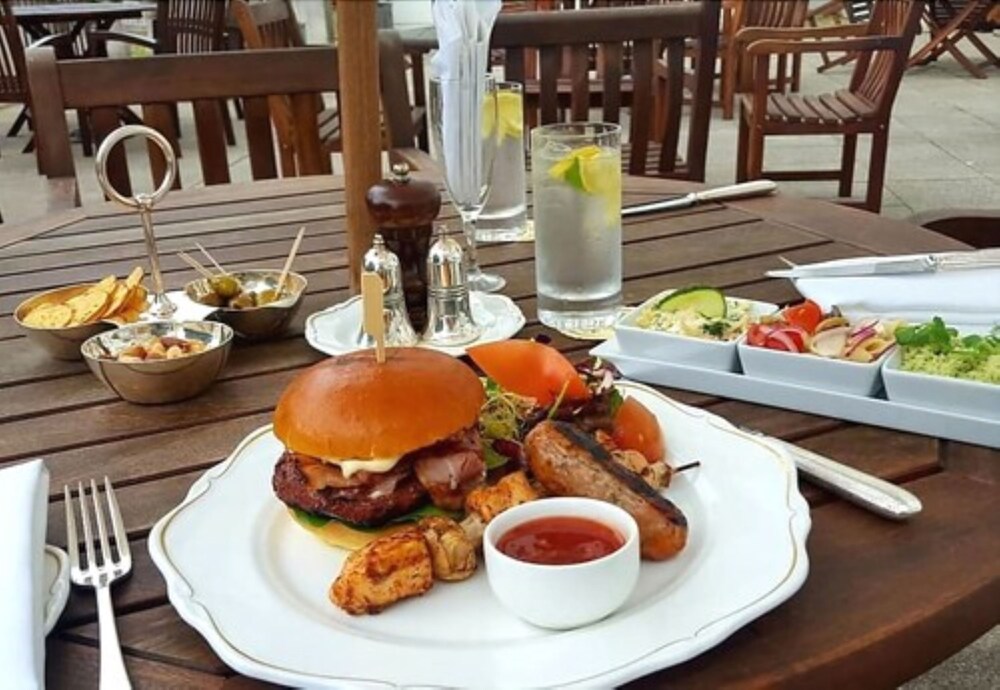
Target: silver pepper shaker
{"points": [[398, 330], [449, 311]]}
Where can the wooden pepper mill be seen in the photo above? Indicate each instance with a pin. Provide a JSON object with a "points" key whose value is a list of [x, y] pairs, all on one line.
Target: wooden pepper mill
{"points": [[404, 210]]}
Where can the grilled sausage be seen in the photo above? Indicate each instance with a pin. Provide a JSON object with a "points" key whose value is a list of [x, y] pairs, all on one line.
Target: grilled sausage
{"points": [[569, 462]]}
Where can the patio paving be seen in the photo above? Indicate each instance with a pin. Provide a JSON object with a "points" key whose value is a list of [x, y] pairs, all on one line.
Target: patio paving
{"points": [[943, 152]]}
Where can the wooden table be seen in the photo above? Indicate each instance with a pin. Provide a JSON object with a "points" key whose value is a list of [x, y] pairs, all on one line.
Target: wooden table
{"points": [[35, 18], [883, 602]]}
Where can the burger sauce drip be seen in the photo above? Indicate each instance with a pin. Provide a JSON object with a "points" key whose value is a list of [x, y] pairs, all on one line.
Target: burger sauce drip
{"points": [[560, 540]]}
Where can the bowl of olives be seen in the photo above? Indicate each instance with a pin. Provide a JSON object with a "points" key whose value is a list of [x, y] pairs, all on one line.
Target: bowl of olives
{"points": [[249, 301]]}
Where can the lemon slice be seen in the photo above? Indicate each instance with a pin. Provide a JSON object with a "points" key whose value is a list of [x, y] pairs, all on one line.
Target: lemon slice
{"points": [[593, 171], [510, 109]]}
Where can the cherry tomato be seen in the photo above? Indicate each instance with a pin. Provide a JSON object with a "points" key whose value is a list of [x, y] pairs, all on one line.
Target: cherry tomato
{"points": [[531, 369], [636, 428], [806, 315], [758, 333]]}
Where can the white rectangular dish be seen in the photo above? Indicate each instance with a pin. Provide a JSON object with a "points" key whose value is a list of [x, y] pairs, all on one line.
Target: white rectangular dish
{"points": [[940, 392], [954, 425], [682, 349], [803, 369]]}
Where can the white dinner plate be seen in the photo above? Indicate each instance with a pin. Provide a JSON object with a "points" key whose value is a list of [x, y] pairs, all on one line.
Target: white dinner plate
{"points": [[333, 330], [56, 584], [254, 584]]}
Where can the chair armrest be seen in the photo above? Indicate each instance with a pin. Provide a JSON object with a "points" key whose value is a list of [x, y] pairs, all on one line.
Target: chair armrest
{"points": [[845, 45], [63, 193], [50, 40], [756, 33]]}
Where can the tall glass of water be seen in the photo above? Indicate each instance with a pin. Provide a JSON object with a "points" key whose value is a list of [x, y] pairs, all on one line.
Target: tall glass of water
{"points": [[505, 217], [467, 154], [577, 196]]}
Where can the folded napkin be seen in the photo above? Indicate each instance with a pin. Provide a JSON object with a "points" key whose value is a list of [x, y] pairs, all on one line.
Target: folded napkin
{"points": [[969, 295], [461, 63], [24, 493]]}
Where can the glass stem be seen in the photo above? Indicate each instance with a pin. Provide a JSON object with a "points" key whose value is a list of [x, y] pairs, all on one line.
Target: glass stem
{"points": [[469, 230]]}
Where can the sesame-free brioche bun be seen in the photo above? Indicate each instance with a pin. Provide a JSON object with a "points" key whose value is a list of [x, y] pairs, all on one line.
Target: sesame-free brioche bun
{"points": [[353, 407]]}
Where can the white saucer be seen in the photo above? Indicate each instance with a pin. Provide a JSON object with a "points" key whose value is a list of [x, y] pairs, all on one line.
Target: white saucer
{"points": [[333, 330], [56, 583]]}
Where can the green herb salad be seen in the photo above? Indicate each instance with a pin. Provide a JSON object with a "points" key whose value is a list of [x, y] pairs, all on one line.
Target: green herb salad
{"points": [[934, 348]]}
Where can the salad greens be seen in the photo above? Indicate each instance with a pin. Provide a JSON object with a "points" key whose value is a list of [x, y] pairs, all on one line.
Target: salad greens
{"points": [[935, 348], [314, 520]]}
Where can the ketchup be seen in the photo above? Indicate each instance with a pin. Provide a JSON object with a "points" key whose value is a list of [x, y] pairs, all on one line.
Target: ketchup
{"points": [[560, 540]]}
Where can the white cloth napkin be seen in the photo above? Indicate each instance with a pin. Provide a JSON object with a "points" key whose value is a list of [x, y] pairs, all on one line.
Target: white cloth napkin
{"points": [[461, 62], [24, 493], [967, 296]]}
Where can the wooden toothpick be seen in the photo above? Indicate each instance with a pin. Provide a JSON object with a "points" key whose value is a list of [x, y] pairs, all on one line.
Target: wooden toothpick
{"points": [[374, 320]]}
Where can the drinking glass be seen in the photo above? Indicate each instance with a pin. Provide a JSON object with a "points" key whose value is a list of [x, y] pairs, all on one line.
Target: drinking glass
{"points": [[504, 217], [468, 165], [577, 195]]}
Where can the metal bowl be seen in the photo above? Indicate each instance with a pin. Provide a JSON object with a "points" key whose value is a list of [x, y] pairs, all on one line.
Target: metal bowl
{"points": [[255, 323], [61, 343], [163, 380]]}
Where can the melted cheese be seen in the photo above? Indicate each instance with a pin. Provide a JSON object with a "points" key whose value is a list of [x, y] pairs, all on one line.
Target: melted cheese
{"points": [[350, 466]]}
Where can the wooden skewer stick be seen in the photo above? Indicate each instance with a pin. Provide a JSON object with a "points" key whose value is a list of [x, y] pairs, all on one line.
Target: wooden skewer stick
{"points": [[211, 258], [374, 319], [193, 263], [289, 260]]}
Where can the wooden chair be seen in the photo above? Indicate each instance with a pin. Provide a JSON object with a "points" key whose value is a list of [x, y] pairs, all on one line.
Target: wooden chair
{"points": [[13, 77], [181, 27], [951, 22], [159, 83], [882, 45], [838, 12], [271, 25], [976, 227], [770, 14], [569, 35]]}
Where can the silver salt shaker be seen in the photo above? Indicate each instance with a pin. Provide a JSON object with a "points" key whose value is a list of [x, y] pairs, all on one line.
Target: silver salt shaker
{"points": [[398, 330], [449, 311]]}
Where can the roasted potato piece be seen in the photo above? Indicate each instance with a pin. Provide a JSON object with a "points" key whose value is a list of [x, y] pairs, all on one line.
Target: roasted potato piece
{"points": [[489, 501], [383, 572], [656, 474], [453, 555]]}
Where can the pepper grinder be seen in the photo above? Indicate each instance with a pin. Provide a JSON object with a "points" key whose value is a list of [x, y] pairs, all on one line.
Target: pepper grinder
{"points": [[404, 210], [398, 330], [449, 311]]}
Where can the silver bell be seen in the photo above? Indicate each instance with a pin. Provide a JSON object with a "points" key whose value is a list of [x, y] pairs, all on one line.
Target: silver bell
{"points": [[398, 330], [449, 312]]}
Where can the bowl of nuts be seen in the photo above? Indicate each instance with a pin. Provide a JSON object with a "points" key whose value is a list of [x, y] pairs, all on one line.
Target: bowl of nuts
{"points": [[159, 362]]}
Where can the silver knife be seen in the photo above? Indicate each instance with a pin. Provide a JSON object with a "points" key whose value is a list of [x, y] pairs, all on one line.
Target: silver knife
{"points": [[736, 191], [881, 266], [860, 488]]}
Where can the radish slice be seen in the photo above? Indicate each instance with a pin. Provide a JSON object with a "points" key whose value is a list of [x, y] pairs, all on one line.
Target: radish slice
{"points": [[864, 325], [830, 343], [856, 340], [783, 340]]}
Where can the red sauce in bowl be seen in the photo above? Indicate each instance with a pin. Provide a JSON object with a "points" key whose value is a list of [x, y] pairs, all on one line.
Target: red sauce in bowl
{"points": [[560, 540]]}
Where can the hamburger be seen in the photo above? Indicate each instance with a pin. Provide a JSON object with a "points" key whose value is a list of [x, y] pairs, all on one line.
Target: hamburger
{"points": [[370, 446]]}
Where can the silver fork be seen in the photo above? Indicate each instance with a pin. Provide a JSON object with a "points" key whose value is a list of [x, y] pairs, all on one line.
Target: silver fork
{"points": [[100, 576]]}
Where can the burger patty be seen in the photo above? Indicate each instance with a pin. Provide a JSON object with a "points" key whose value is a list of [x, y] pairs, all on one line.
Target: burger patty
{"points": [[371, 504]]}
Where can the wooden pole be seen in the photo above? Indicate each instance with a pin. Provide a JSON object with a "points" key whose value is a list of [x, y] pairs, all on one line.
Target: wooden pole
{"points": [[357, 54]]}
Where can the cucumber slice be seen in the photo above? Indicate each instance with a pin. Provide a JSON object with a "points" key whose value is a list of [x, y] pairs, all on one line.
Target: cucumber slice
{"points": [[706, 301]]}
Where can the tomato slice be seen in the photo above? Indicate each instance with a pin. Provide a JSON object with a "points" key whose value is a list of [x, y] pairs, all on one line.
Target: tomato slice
{"points": [[758, 333], [806, 315], [636, 428], [787, 339], [531, 369]]}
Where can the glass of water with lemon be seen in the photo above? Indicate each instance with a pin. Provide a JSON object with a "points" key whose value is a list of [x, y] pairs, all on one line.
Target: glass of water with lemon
{"points": [[577, 198], [504, 218]]}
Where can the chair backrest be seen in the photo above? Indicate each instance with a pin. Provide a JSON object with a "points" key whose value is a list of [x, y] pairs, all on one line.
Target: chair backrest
{"points": [[267, 24], [650, 32], [877, 75], [13, 81], [941, 13], [158, 83], [190, 26], [775, 14]]}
